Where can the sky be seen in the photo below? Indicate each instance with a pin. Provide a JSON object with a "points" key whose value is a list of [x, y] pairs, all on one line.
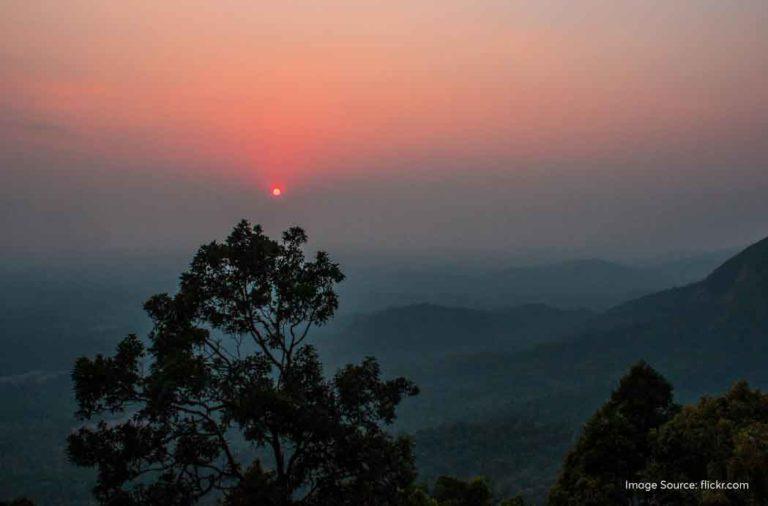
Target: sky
{"points": [[445, 128]]}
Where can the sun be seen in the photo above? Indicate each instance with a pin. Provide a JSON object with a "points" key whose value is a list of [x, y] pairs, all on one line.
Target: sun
{"points": [[276, 191]]}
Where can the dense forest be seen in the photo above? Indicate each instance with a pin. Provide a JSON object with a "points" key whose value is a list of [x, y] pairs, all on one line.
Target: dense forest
{"points": [[244, 389]]}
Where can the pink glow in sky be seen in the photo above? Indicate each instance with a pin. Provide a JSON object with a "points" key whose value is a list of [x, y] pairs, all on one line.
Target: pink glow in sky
{"points": [[248, 93]]}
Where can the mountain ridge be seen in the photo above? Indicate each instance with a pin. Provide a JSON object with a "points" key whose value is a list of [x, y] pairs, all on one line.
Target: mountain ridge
{"points": [[703, 337]]}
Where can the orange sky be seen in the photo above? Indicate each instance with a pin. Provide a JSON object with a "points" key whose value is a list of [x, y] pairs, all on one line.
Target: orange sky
{"points": [[292, 86], [299, 91]]}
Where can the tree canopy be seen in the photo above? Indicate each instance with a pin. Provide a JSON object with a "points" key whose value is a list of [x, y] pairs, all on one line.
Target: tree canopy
{"points": [[640, 435], [614, 445], [718, 439], [227, 396]]}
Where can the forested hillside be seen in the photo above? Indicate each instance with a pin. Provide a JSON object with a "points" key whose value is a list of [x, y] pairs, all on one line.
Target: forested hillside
{"points": [[703, 337]]}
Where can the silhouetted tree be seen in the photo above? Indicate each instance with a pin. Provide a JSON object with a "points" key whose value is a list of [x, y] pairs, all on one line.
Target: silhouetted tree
{"points": [[719, 439], [229, 397], [614, 445]]}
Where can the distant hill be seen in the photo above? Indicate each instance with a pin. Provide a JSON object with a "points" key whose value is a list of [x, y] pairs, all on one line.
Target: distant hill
{"points": [[703, 337], [49, 316], [422, 332], [591, 283], [587, 283], [472, 363], [52, 312]]}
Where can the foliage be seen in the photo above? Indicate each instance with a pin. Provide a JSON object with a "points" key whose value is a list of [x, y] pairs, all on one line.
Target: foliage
{"points": [[639, 435], [227, 369], [614, 445], [720, 438]]}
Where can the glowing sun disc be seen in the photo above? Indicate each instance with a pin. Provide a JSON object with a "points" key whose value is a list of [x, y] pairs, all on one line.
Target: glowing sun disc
{"points": [[276, 192]]}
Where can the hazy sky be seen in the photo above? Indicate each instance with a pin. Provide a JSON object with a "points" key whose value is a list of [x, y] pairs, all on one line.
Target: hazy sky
{"points": [[597, 127]]}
